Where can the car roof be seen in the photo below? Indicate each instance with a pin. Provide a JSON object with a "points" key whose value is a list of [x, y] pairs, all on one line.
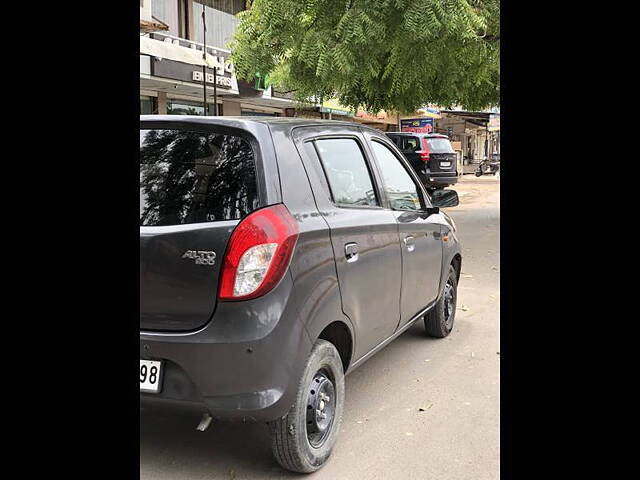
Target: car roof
{"points": [[285, 123], [414, 134]]}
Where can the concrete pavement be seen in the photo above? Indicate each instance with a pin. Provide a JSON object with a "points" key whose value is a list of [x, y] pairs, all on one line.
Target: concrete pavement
{"points": [[384, 434]]}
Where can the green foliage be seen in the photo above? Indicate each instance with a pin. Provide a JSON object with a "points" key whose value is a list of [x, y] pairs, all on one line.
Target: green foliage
{"points": [[396, 55]]}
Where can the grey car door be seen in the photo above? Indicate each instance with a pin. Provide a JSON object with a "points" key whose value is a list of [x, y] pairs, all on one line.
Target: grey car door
{"points": [[420, 233], [364, 235]]}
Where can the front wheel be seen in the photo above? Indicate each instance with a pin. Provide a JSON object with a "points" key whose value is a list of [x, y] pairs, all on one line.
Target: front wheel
{"points": [[438, 322], [302, 440]]}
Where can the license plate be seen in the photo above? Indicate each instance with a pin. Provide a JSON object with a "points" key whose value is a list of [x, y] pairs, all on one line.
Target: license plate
{"points": [[445, 164], [150, 376]]}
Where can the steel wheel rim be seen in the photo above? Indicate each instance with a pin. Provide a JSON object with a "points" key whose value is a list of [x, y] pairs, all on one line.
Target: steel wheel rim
{"points": [[449, 305], [321, 402]]}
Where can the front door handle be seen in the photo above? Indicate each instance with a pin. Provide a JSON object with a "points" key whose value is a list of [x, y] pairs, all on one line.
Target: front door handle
{"points": [[351, 252], [409, 242]]}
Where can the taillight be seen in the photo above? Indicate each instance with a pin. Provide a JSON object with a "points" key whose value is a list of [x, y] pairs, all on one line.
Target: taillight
{"points": [[258, 253], [424, 154]]}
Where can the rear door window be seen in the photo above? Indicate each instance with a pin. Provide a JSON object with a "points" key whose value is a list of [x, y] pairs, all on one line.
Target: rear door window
{"points": [[411, 143], [195, 177], [347, 173], [440, 145], [397, 140]]}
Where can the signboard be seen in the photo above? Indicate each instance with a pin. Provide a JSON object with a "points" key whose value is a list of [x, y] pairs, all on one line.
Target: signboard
{"points": [[417, 125], [332, 105], [337, 111], [494, 123], [193, 73]]}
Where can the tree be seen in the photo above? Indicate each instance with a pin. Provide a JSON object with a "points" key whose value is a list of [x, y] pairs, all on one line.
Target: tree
{"points": [[396, 55]]}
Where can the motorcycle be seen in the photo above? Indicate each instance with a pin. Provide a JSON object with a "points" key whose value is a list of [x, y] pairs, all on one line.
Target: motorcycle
{"points": [[488, 167]]}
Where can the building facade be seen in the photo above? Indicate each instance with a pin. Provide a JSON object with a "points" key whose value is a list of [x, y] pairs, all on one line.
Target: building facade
{"points": [[174, 70]]}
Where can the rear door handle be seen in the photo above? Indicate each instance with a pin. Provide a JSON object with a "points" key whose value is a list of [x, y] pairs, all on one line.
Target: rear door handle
{"points": [[351, 252], [409, 242]]}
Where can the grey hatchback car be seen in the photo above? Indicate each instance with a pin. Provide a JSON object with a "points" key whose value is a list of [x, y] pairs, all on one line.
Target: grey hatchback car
{"points": [[276, 256]]}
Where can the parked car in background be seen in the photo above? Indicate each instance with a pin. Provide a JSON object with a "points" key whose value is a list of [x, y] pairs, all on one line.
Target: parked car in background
{"points": [[431, 156], [276, 256]]}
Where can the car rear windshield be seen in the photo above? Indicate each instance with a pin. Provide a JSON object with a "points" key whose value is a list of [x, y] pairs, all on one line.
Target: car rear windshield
{"points": [[440, 145], [194, 177]]}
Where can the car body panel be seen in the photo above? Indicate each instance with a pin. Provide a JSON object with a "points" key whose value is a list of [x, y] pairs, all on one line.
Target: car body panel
{"points": [[176, 293], [422, 256], [375, 314]]}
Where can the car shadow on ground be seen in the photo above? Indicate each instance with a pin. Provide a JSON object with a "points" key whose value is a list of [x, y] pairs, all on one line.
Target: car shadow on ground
{"points": [[170, 446]]}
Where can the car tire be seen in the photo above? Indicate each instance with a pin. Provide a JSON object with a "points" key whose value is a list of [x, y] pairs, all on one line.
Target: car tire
{"points": [[302, 440], [438, 322]]}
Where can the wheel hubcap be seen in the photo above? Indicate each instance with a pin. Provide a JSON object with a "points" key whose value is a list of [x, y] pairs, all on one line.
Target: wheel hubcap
{"points": [[449, 305], [320, 409]]}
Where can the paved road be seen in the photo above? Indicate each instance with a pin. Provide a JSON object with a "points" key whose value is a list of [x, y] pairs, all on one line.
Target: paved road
{"points": [[384, 435]]}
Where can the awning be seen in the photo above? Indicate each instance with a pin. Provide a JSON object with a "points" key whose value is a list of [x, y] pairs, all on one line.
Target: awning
{"points": [[171, 51], [477, 116], [153, 25], [429, 113]]}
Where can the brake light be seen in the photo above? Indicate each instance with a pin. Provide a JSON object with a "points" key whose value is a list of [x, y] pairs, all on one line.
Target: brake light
{"points": [[258, 253], [425, 153]]}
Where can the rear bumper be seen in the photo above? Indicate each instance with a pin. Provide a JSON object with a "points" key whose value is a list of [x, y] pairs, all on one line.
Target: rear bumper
{"points": [[448, 178], [231, 368]]}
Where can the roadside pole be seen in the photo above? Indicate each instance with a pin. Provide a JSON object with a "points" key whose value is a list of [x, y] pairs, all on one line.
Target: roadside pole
{"points": [[204, 56]]}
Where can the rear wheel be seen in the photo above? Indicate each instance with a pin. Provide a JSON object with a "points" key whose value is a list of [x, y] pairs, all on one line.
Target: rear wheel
{"points": [[438, 322], [302, 441]]}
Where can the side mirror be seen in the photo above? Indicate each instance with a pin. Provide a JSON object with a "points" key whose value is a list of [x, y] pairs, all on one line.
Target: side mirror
{"points": [[445, 198]]}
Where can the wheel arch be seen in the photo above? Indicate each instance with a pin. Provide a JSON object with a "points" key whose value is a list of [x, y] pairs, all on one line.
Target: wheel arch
{"points": [[456, 262], [341, 336]]}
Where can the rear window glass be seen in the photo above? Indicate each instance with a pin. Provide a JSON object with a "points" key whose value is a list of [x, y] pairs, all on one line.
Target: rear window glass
{"points": [[195, 177], [440, 145]]}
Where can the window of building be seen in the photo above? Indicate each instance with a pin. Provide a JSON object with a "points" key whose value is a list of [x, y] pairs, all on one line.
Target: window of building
{"points": [[400, 188], [167, 12], [346, 170], [187, 107], [257, 113], [227, 6], [146, 105], [220, 18]]}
